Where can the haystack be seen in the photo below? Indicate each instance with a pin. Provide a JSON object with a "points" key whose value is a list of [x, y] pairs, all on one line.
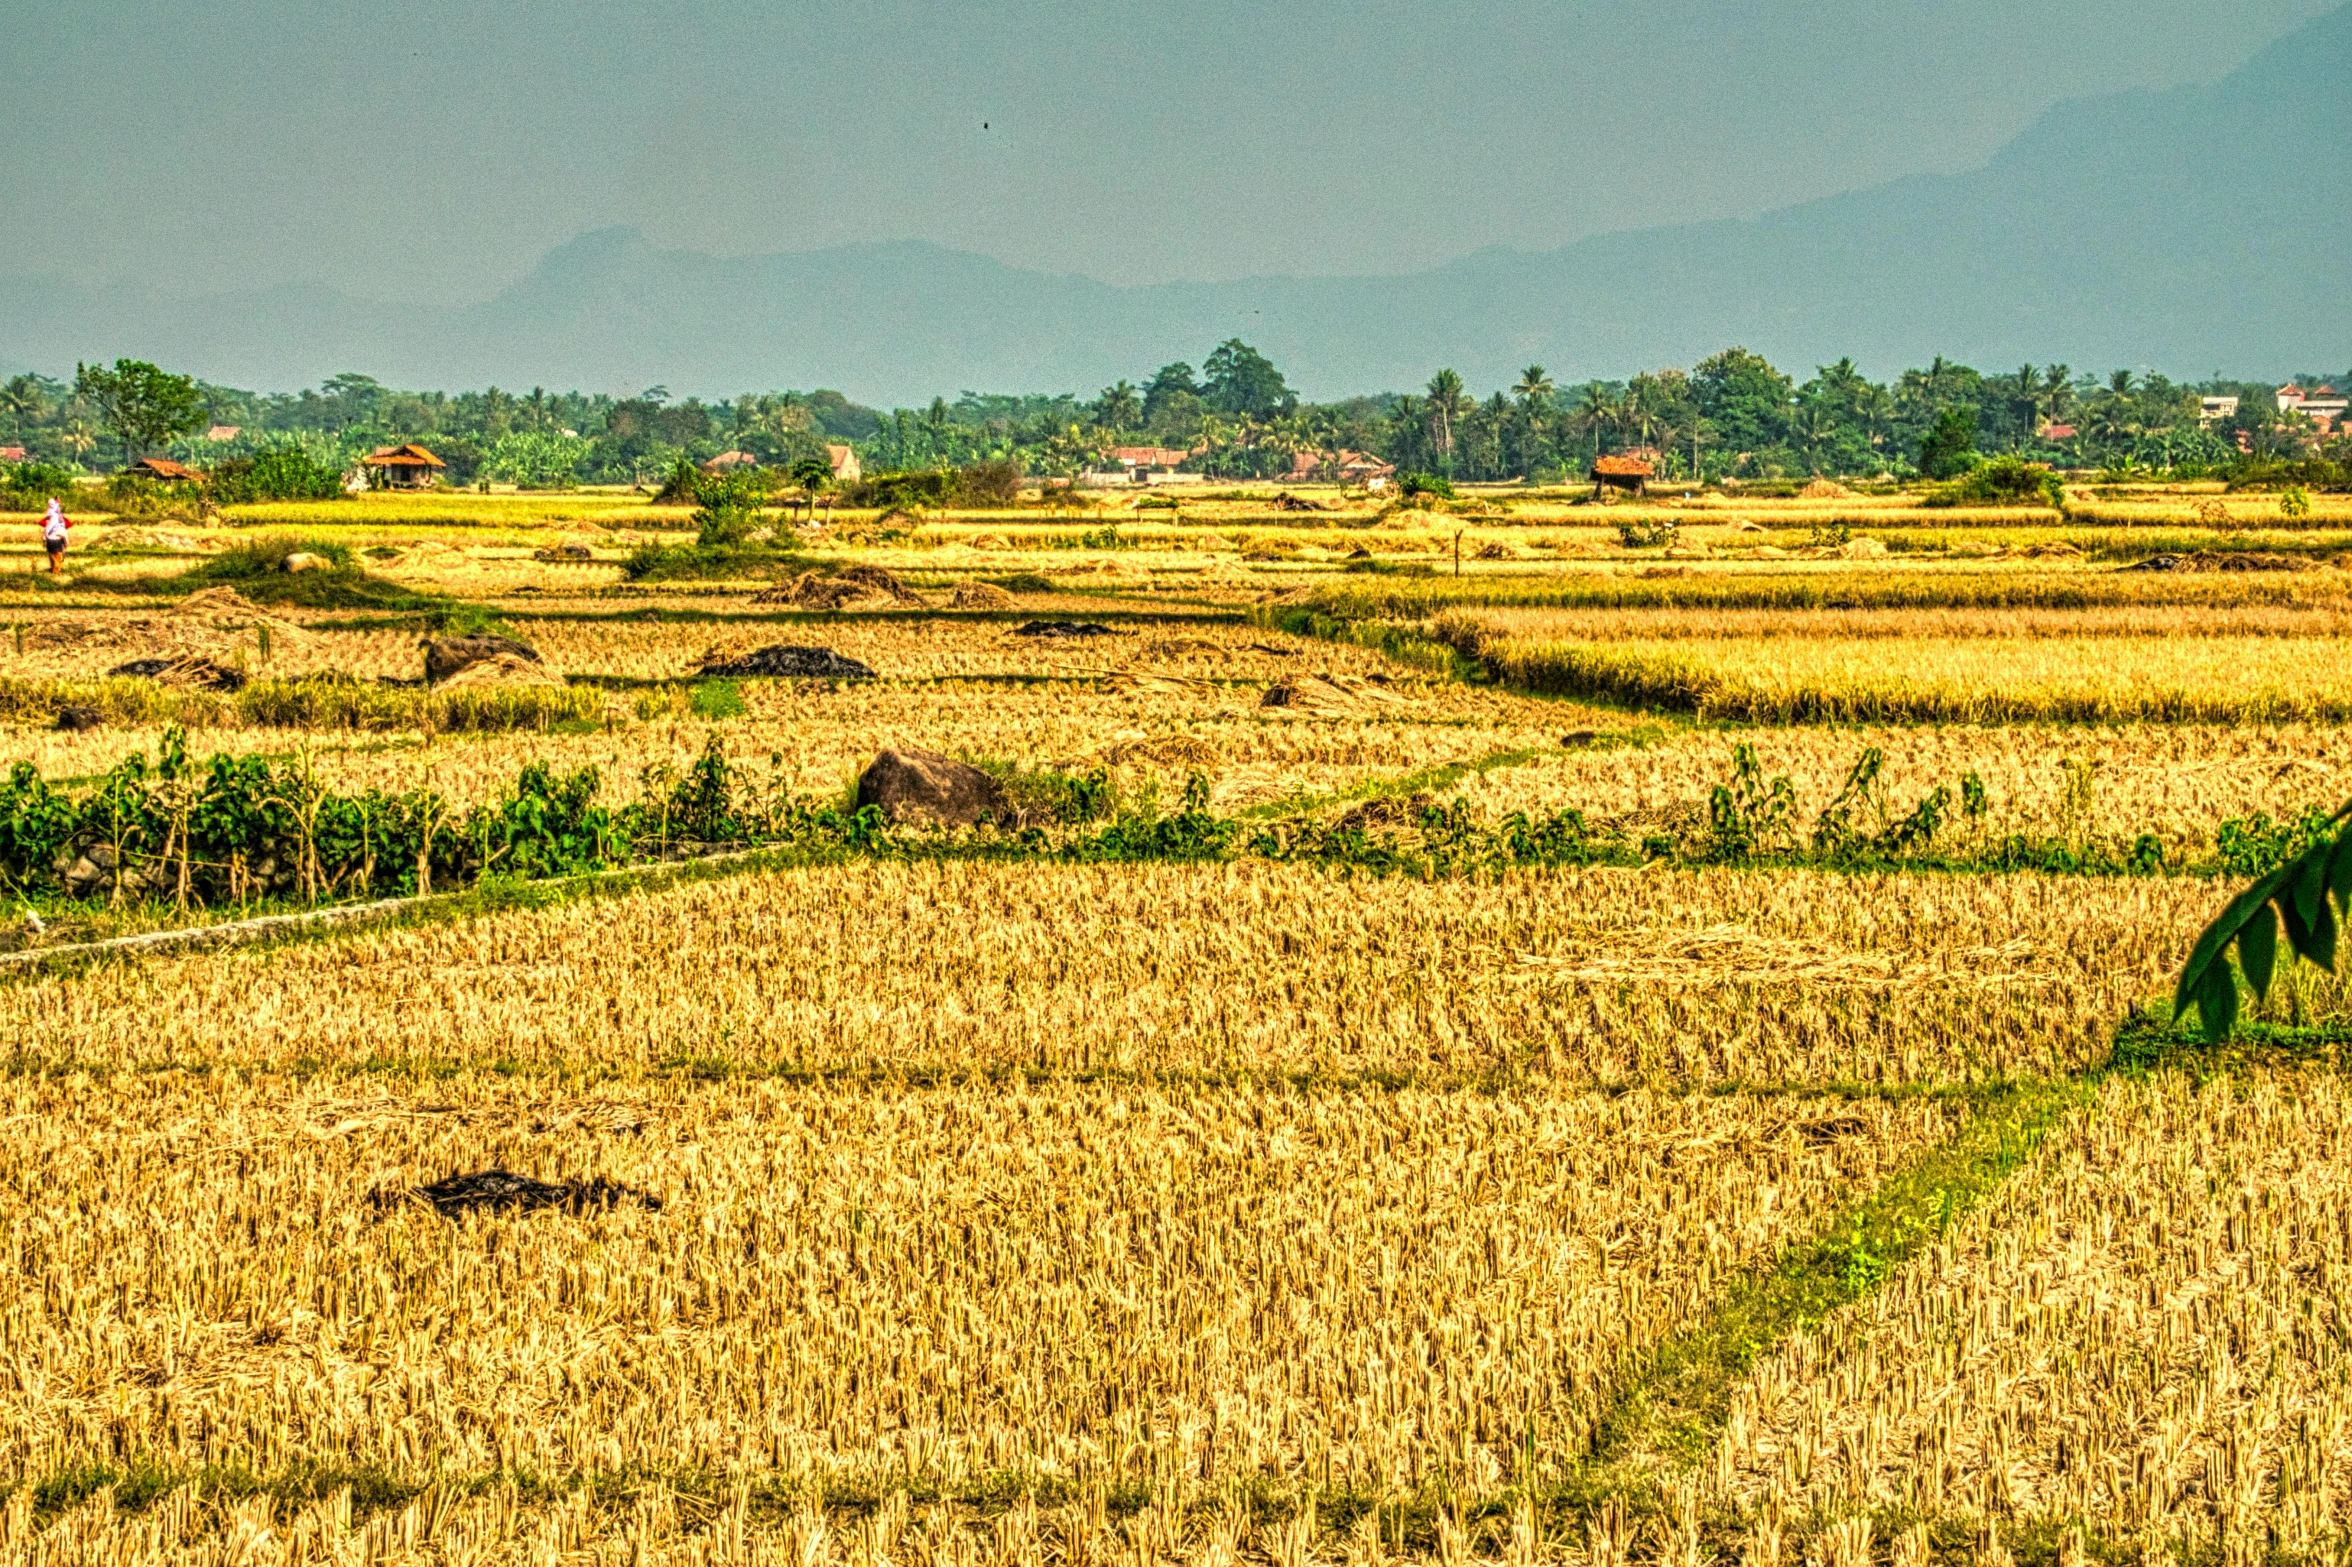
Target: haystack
{"points": [[1328, 693], [859, 586], [502, 669], [1824, 490], [191, 671], [980, 595]]}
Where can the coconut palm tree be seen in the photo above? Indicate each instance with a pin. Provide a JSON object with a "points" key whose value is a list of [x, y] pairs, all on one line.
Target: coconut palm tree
{"points": [[1534, 387], [1595, 413], [1120, 407], [23, 400], [1446, 405]]}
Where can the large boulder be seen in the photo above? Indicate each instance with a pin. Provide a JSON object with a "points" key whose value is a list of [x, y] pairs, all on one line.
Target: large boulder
{"points": [[920, 786], [445, 656]]}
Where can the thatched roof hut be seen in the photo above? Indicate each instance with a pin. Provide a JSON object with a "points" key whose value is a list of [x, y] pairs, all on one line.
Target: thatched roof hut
{"points": [[1620, 473], [408, 467]]}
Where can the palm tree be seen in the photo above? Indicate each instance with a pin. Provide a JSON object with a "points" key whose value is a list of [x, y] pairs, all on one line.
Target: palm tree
{"points": [[23, 400], [1445, 410], [1812, 424], [1843, 385], [2058, 389], [1595, 413], [78, 439], [1874, 412], [1534, 386], [1120, 407]]}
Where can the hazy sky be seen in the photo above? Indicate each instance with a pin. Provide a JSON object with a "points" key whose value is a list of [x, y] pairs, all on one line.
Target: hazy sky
{"points": [[435, 150]]}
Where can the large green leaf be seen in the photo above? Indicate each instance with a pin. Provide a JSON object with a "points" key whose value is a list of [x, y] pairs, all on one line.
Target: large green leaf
{"points": [[2301, 897], [2258, 949], [2206, 956]]}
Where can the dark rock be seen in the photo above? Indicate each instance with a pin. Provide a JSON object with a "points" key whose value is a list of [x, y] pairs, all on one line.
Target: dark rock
{"points": [[1062, 628], [445, 656], [1576, 740], [201, 673], [563, 552], [786, 661], [920, 786], [80, 718], [495, 1189], [2161, 563]]}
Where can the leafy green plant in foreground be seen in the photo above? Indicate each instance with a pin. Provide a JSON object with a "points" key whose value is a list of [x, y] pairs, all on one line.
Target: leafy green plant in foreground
{"points": [[2304, 897]]}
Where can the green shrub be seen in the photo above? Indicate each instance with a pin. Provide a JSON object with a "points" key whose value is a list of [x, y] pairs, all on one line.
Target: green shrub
{"points": [[697, 563], [1411, 484], [29, 486], [995, 483], [285, 473], [728, 508], [2006, 480], [913, 487]]}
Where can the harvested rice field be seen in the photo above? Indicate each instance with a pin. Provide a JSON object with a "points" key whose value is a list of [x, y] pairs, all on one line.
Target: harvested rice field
{"points": [[1606, 1053]]}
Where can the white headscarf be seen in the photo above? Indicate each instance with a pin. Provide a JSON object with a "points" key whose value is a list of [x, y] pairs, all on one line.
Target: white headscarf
{"points": [[56, 512]]}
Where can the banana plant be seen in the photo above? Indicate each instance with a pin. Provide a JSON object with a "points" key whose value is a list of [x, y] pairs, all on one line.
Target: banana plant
{"points": [[2305, 897]]}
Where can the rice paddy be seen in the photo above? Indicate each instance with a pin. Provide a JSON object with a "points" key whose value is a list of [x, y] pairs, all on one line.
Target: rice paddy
{"points": [[1775, 1173]]}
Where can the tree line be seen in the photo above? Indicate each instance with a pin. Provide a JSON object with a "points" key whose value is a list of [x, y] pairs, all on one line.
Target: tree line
{"points": [[1732, 415]]}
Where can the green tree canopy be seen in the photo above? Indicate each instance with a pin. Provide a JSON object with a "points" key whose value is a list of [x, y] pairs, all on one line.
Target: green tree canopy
{"points": [[145, 407], [1744, 398], [1242, 381], [1950, 448]]}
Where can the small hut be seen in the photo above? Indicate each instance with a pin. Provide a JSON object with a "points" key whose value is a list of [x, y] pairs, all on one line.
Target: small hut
{"points": [[164, 468], [1630, 474], [408, 467], [845, 464], [728, 462]]}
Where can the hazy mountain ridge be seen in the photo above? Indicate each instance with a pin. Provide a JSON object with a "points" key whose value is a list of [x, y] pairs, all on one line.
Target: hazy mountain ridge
{"points": [[2190, 229]]}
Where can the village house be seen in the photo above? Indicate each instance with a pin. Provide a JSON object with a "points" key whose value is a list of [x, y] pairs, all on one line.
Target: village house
{"points": [[224, 432], [12, 454], [1348, 467], [409, 467], [728, 462], [2212, 409], [1138, 465], [2323, 405], [164, 468], [845, 464]]}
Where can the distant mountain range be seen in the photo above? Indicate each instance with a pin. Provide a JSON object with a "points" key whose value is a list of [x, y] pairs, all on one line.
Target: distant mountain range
{"points": [[2192, 230]]}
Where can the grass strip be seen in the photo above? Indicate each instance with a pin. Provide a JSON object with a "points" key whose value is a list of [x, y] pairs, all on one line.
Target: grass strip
{"points": [[1675, 1407]]}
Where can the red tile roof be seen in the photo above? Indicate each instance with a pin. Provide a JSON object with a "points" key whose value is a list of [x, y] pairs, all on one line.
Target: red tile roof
{"points": [[163, 468]]}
